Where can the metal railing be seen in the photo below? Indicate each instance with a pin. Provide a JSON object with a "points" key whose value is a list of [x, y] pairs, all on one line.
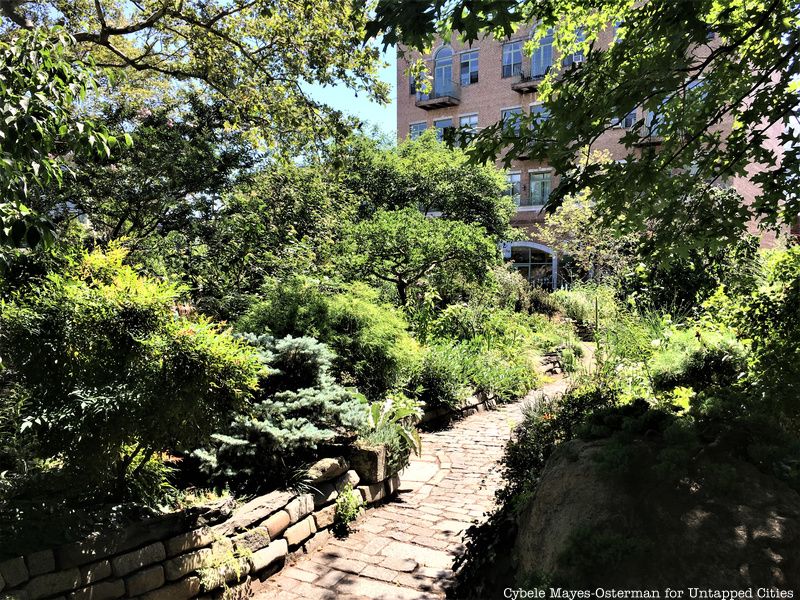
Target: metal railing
{"points": [[441, 89]]}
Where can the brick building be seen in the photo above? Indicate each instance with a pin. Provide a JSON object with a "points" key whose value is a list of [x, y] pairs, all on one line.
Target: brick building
{"points": [[490, 80]]}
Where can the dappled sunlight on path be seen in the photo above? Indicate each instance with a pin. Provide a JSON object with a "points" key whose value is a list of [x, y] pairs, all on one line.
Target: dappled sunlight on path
{"points": [[405, 548]]}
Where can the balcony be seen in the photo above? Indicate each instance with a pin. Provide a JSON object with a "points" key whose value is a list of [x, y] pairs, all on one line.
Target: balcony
{"points": [[443, 94], [526, 81]]}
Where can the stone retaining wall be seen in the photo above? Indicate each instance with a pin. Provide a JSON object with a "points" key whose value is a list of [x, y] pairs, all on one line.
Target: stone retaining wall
{"points": [[207, 552]]}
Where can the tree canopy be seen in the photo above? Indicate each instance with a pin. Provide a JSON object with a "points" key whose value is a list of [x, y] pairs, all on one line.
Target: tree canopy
{"points": [[254, 57], [691, 69]]}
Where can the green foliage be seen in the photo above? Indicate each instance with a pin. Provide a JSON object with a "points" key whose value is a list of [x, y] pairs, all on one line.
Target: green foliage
{"points": [[41, 83], [768, 316], [586, 303], [180, 163], [349, 505], [426, 175], [373, 350], [407, 249], [697, 359], [112, 376], [439, 379], [251, 57], [392, 423], [664, 191], [298, 407]]}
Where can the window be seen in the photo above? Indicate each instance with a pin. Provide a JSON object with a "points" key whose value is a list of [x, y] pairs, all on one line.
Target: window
{"points": [[533, 264], [626, 122], [514, 187], [441, 125], [511, 116], [576, 57], [651, 123], [512, 59], [542, 57], [539, 188], [539, 113], [416, 129], [469, 67], [443, 72], [470, 121], [412, 85]]}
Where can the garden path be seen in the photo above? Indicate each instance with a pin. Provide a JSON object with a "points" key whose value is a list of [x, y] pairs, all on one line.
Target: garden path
{"points": [[404, 549]]}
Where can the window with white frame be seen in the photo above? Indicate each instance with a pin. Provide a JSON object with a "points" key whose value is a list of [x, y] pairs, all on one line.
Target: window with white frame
{"points": [[539, 189], [470, 124], [511, 117], [514, 190], [512, 58], [416, 129], [577, 56], [469, 67], [442, 125], [542, 57]]}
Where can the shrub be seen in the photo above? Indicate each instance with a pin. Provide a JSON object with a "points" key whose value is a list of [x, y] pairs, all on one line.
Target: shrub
{"points": [[393, 423], [584, 302], [697, 359], [439, 379], [298, 407], [349, 504], [373, 350], [113, 376], [505, 375]]}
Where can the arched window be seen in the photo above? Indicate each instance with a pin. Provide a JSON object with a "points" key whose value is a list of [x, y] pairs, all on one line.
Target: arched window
{"points": [[535, 262], [443, 71]]}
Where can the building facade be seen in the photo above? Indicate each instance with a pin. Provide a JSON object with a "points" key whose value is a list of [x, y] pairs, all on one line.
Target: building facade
{"points": [[491, 80]]}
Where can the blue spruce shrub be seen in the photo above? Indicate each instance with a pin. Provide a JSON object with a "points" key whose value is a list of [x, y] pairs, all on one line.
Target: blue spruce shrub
{"points": [[298, 407]]}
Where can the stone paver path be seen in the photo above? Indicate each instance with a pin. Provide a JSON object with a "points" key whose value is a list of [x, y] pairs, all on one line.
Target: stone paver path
{"points": [[404, 549]]}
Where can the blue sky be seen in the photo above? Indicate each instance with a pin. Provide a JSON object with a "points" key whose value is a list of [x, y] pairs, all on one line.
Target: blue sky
{"points": [[384, 117]]}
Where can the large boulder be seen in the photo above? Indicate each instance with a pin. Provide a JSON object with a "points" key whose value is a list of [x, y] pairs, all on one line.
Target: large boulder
{"points": [[726, 525]]}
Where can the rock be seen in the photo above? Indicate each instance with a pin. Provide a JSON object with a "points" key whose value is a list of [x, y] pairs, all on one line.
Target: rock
{"points": [[392, 485], [301, 531], [277, 524], [301, 506], [145, 581], [324, 494], [325, 517], [369, 463], [95, 572], [14, 571], [105, 590], [181, 590], [133, 561], [134, 536], [327, 469], [372, 493], [177, 567], [351, 478], [593, 530], [254, 512], [191, 540], [277, 550], [53, 583], [40, 562], [252, 540]]}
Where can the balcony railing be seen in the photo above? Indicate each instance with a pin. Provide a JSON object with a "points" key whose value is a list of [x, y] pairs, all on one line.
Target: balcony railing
{"points": [[527, 81], [444, 93]]}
